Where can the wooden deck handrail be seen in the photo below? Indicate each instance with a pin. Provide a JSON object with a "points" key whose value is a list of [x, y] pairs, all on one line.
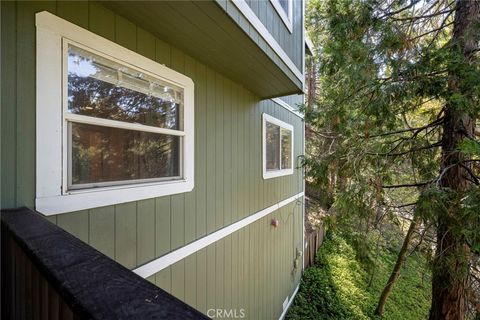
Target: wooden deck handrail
{"points": [[40, 261]]}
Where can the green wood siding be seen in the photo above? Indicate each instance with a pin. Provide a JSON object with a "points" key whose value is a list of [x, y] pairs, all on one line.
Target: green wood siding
{"points": [[290, 42], [293, 100], [218, 36], [251, 269], [228, 174]]}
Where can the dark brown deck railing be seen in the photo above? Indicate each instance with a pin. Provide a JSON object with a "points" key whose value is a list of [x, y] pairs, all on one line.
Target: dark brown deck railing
{"points": [[46, 273]]}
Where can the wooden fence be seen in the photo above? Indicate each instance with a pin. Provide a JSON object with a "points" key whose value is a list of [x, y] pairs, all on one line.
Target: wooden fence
{"points": [[313, 240]]}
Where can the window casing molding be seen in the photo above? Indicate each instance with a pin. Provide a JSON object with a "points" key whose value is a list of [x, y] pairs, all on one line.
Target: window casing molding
{"points": [[52, 193], [268, 174], [286, 16], [288, 107]]}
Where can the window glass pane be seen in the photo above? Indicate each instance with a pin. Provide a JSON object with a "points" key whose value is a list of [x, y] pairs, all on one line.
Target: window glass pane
{"points": [[286, 149], [104, 154], [273, 146], [284, 5], [99, 87]]}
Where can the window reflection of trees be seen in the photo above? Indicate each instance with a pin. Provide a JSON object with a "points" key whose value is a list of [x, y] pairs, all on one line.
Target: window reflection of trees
{"points": [[91, 97], [273, 146], [286, 149], [101, 88], [103, 154], [278, 147]]}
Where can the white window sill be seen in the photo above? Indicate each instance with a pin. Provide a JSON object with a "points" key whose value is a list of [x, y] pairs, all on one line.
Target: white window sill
{"points": [[93, 198], [277, 173]]}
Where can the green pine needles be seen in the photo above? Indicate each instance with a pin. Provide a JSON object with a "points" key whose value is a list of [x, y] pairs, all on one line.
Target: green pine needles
{"points": [[392, 129]]}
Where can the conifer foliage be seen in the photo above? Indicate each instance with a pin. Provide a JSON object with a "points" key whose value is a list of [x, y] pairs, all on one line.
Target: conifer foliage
{"points": [[392, 128]]}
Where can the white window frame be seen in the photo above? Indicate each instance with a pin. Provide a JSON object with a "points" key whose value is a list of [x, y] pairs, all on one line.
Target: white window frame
{"points": [[268, 174], [287, 17], [52, 194]]}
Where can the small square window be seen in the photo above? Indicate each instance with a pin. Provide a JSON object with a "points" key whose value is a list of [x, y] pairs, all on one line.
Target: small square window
{"points": [[277, 147]]}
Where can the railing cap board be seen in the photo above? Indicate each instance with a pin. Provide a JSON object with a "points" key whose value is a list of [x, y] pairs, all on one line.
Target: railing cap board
{"points": [[92, 284]]}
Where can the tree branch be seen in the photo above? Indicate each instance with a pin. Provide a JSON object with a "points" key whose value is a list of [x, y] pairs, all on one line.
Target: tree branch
{"points": [[396, 154], [403, 205], [426, 16], [413, 3], [432, 124], [442, 26], [408, 185], [472, 175]]}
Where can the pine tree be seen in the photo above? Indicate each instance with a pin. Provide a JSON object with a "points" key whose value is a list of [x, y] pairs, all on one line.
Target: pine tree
{"points": [[398, 99]]}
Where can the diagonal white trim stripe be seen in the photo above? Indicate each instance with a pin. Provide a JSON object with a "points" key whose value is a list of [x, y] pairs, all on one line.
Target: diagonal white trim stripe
{"points": [[248, 13], [163, 262], [282, 103]]}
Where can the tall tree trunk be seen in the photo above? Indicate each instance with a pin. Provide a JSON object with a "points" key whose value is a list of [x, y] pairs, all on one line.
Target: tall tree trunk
{"points": [[311, 80], [396, 269], [450, 273]]}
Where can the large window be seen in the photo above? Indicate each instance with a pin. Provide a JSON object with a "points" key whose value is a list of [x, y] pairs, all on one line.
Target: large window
{"points": [[124, 126], [284, 9], [112, 125], [277, 147]]}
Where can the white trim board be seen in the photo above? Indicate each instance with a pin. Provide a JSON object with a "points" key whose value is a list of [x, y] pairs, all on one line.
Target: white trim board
{"points": [[282, 103], [309, 44], [163, 262], [303, 43], [284, 313], [303, 206], [251, 17], [269, 174], [285, 16]]}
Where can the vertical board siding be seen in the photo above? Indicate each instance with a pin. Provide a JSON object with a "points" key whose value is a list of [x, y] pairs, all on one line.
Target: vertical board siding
{"points": [[75, 223], [200, 153], [219, 155], [25, 99], [191, 280], [210, 276], [256, 274], [145, 231], [8, 128], [163, 279], [201, 280], [102, 230], [125, 234], [101, 21], [249, 269], [291, 43], [162, 226]]}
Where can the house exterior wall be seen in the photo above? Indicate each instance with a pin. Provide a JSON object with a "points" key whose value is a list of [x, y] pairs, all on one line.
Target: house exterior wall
{"points": [[291, 43], [294, 101], [251, 268]]}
